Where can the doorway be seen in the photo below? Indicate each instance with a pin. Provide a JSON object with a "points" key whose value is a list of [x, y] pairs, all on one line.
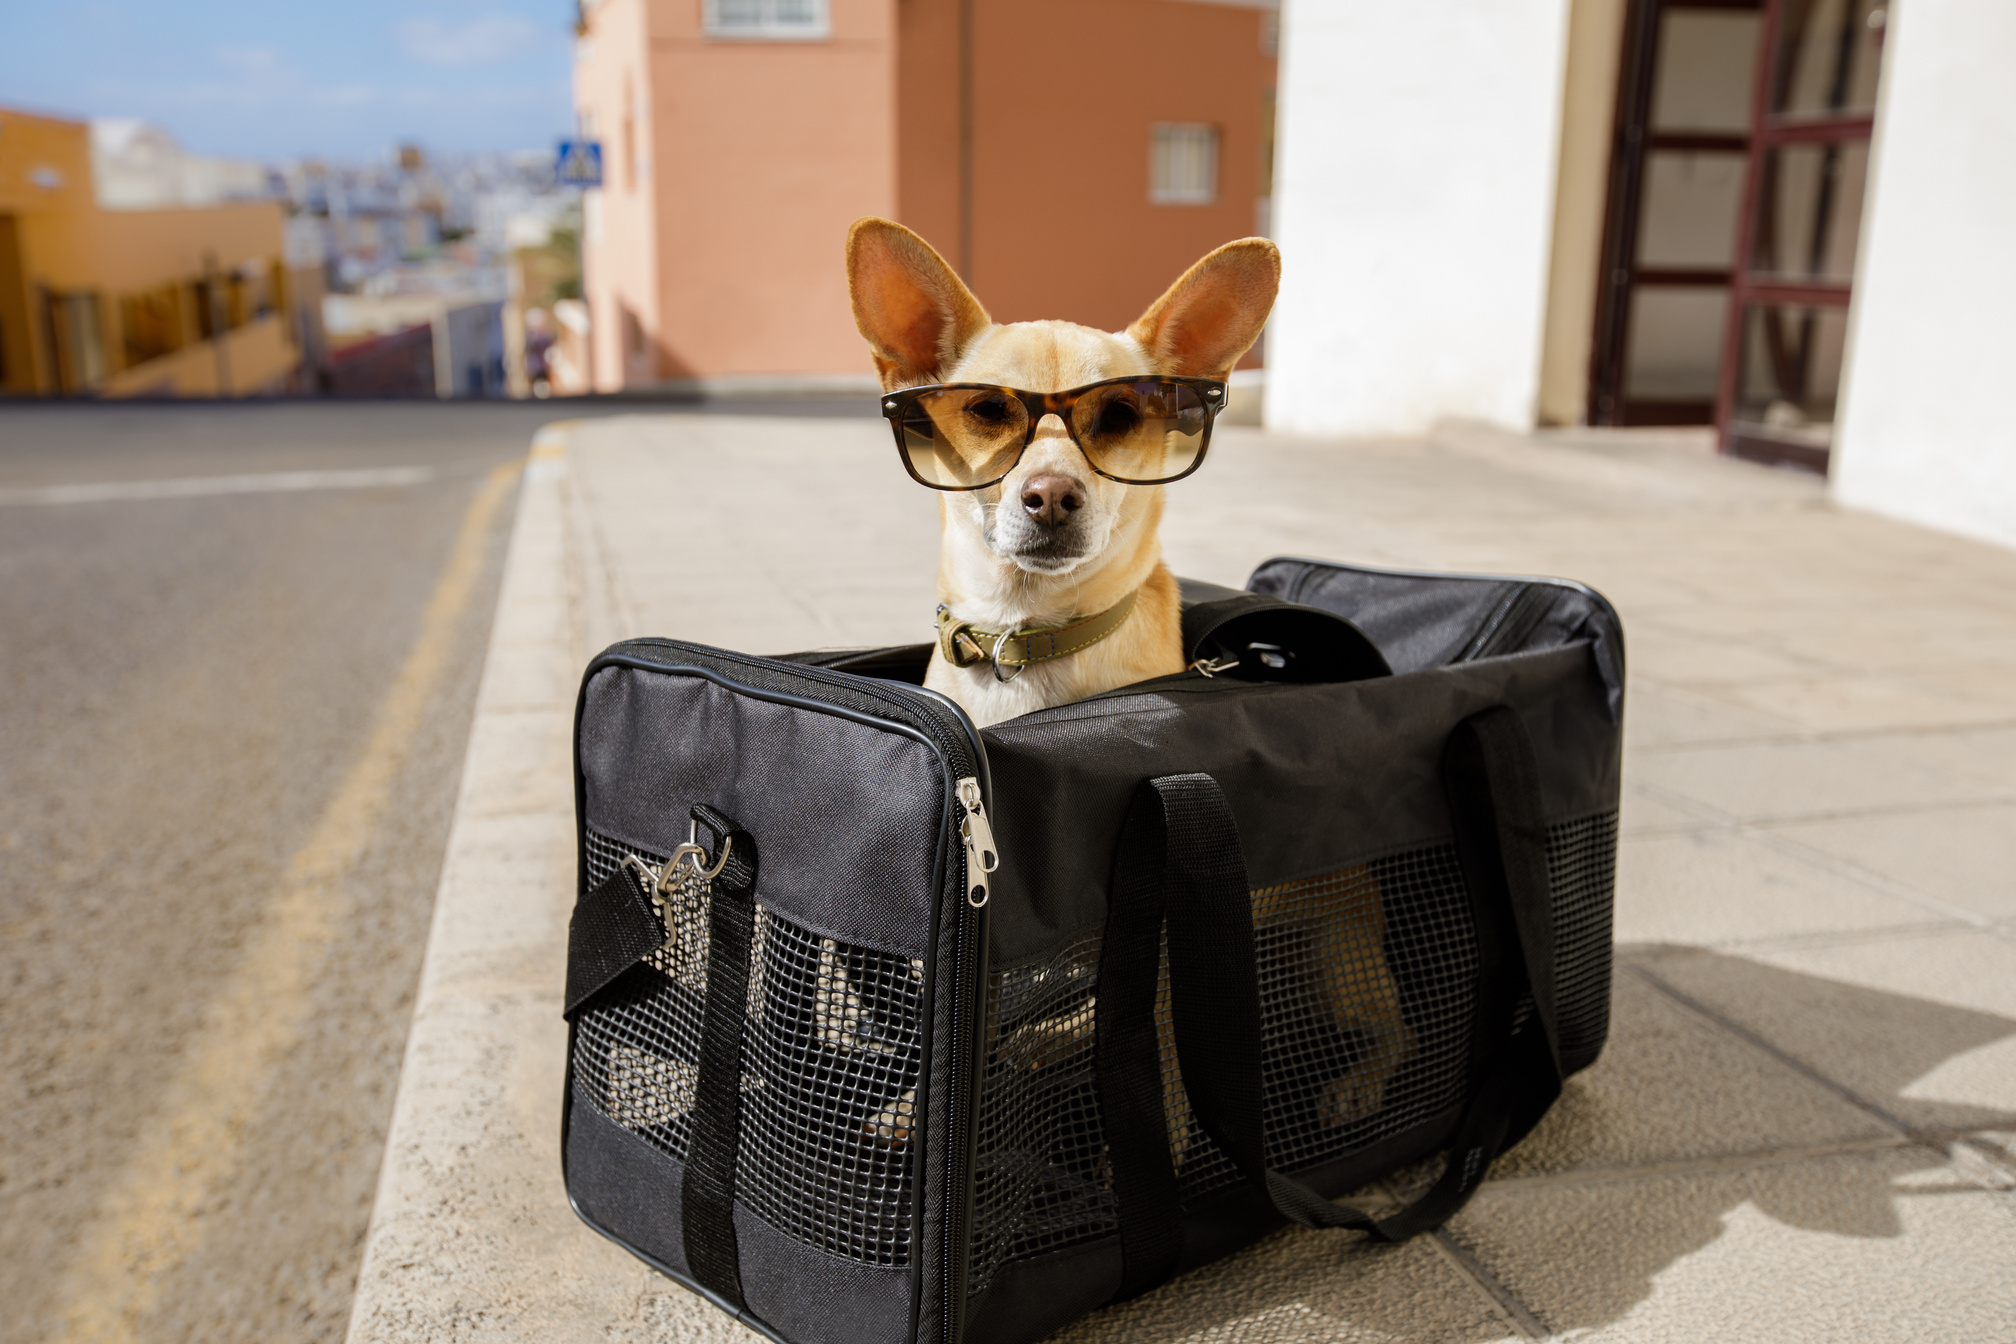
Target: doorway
{"points": [[1730, 228]]}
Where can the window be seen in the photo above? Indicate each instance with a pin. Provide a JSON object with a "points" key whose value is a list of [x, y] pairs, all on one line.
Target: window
{"points": [[1183, 164], [774, 20]]}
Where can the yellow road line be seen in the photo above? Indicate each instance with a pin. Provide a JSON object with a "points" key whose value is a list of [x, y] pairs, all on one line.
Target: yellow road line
{"points": [[187, 1155]]}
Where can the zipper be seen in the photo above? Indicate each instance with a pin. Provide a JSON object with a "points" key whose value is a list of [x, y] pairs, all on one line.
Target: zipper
{"points": [[981, 856], [958, 743], [978, 858]]}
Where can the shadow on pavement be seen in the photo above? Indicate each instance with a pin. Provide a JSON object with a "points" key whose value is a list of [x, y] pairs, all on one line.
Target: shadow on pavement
{"points": [[1631, 1174]]}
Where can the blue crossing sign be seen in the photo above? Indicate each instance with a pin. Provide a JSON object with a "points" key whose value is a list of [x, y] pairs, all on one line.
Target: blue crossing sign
{"points": [[579, 163]]}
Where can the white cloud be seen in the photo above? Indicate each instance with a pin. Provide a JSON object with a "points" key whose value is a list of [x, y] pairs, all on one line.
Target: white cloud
{"points": [[485, 40]]}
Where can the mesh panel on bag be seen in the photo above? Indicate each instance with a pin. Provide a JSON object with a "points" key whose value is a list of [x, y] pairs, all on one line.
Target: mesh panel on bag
{"points": [[1582, 871], [1365, 999], [831, 1055], [1365, 986]]}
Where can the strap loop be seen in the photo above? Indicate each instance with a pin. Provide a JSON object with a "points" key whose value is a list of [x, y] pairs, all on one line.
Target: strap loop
{"points": [[707, 1194]]}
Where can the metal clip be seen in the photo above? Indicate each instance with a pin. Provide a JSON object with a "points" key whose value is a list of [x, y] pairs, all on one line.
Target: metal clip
{"points": [[696, 851], [1211, 667], [660, 879]]}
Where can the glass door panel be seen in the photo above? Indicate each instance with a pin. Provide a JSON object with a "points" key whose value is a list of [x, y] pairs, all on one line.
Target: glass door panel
{"points": [[1707, 70], [1691, 207], [1789, 380], [1829, 53], [1809, 211], [1676, 345]]}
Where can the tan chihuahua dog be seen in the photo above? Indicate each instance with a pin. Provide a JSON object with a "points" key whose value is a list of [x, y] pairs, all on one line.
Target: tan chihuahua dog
{"points": [[1050, 577]]}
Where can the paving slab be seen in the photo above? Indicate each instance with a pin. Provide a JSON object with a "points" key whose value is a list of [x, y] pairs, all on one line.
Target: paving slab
{"points": [[1661, 714], [1819, 776], [1804, 1126], [1719, 886], [1963, 856], [1891, 1245], [1923, 1028]]}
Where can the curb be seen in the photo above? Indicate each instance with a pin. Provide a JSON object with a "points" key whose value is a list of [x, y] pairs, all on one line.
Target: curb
{"points": [[471, 1236]]}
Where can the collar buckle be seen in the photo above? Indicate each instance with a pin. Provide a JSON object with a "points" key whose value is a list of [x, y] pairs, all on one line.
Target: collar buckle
{"points": [[958, 640]]}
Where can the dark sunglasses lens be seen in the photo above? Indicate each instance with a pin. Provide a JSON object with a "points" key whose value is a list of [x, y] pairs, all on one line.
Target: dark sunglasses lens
{"points": [[962, 437], [1149, 430]]}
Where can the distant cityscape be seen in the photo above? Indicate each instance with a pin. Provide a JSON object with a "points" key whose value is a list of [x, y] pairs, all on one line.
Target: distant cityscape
{"points": [[161, 272]]}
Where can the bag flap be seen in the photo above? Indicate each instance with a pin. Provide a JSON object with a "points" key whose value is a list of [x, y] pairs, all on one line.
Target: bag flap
{"points": [[1267, 638]]}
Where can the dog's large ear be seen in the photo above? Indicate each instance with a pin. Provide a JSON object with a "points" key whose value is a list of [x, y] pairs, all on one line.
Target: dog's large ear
{"points": [[1213, 314], [916, 314]]}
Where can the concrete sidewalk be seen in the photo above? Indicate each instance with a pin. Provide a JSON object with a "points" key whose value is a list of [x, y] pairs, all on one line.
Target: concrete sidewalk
{"points": [[1804, 1127]]}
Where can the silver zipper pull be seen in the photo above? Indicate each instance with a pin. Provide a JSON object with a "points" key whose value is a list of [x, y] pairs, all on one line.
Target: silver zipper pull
{"points": [[982, 857]]}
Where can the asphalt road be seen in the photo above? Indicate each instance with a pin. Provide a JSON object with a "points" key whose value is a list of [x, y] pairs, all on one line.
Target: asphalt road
{"points": [[232, 720]]}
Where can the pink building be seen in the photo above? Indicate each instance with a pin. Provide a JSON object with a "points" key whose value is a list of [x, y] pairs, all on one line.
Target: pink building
{"points": [[1069, 157]]}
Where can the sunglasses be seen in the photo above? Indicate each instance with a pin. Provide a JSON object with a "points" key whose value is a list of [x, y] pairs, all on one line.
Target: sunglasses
{"points": [[1146, 430]]}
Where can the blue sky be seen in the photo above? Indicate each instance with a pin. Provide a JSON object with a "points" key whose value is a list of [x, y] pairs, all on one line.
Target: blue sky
{"points": [[279, 79]]}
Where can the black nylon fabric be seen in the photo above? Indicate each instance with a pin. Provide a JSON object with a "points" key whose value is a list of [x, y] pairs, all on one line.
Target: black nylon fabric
{"points": [[1432, 620], [1127, 1062], [708, 1192], [619, 1183], [1033, 1298], [849, 815], [811, 1297], [612, 928], [1319, 777]]}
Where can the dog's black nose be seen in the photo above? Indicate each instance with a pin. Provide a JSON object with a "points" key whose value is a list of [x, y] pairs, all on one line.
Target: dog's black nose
{"points": [[1052, 499]]}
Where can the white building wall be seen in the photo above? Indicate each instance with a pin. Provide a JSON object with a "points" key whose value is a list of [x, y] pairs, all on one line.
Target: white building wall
{"points": [[1414, 206], [1927, 429]]}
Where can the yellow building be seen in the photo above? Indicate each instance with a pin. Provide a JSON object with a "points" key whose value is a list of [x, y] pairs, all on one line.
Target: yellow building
{"points": [[95, 302]]}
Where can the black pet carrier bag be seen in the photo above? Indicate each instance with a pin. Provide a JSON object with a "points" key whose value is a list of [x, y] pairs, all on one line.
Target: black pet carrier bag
{"points": [[885, 1029]]}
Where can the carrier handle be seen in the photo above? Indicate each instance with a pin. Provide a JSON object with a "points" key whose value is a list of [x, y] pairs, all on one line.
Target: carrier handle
{"points": [[1179, 854]]}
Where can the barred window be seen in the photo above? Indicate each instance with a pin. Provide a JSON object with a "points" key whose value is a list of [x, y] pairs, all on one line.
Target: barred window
{"points": [[1183, 164], [776, 20]]}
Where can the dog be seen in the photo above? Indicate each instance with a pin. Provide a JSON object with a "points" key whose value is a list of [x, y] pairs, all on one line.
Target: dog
{"points": [[1052, 545], [1051, 551]]}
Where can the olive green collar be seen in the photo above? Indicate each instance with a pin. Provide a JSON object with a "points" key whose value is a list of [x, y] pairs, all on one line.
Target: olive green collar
{"points": [[965, 644]]}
